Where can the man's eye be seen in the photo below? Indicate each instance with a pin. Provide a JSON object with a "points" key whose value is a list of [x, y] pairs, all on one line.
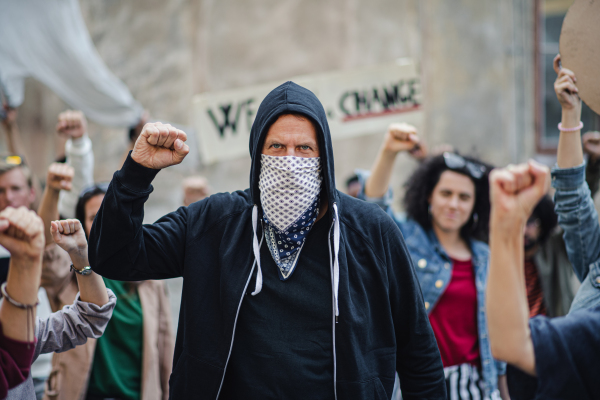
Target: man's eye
{"points": [[276, 146], [304, 147]]}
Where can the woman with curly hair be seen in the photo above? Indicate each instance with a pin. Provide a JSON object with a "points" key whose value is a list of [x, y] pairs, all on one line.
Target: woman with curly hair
{"points": [[445, 229]]}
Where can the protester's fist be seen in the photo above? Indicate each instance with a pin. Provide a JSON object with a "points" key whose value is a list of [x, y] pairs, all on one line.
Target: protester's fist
{"points": [[71, 123], [591, 144], [400, 137], [565, 86], [69, 235], [160, 146], [60, 176], [22, 234], [517, 189]]}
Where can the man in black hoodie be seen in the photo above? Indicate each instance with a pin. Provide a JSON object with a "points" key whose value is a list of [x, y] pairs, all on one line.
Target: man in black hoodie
{"points": [[328, 308]]}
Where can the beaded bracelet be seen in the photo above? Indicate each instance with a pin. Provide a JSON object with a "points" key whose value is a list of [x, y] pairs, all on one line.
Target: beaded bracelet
{"points": [[575, 129], [27, 307]]}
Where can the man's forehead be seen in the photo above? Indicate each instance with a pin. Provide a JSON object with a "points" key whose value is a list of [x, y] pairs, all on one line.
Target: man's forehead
{"points": [[15, 176]]}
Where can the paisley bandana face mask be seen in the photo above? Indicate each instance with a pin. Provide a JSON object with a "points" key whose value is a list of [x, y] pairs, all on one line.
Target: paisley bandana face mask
{"points": [[289, 195]]}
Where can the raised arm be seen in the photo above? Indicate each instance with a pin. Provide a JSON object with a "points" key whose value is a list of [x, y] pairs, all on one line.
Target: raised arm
{"points": [[80, 156], [515, 191], [59, 177], [577, 215], [121, 247], [69, 235], [399, 137]]}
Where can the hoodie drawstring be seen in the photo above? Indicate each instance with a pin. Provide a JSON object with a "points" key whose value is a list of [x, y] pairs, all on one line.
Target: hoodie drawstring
{"points": [[336, 261], [256, 246]]}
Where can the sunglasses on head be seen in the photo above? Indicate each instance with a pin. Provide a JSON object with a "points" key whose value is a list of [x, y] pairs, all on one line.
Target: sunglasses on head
{"points": [[12, 160], [455, 161]]}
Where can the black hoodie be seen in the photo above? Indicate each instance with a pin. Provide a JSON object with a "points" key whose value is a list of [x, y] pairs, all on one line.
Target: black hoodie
{"points": [[383, 326]]}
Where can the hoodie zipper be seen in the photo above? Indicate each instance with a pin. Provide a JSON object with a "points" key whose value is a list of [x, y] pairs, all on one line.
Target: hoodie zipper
{"points": [[333, 314], [234, 326]]}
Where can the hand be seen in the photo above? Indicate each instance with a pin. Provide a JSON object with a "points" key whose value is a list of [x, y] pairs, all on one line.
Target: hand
{"points": [[72, 123], [69, 235], [591, 144], [565, 87], [160, 146], [516, 190], [400, 137], [22, 234], [60, 176]]}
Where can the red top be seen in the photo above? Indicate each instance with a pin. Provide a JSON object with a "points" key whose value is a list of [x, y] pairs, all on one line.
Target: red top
{"points": [[454, 318], [535, 296], [15, 362]]}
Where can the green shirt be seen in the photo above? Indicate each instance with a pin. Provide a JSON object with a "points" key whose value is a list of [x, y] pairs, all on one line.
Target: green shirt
{"points": [[117, 367]]}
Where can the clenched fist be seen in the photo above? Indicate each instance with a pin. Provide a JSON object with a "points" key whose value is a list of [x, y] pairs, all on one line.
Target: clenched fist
{"points": [[22, 234], [160, 146], [515, 191], [60, 176], [69, 235], [400, 137], [71, 123]]}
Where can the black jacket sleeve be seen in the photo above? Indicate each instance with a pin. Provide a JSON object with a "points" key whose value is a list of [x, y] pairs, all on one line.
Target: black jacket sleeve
{"points": [[120, 246], [418, 360]]}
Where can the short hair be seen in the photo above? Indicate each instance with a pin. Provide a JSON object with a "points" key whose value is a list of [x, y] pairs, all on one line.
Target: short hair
{"points": [[85, 196], [421, 183], [6, 167], [352, 179], [544, 211]]}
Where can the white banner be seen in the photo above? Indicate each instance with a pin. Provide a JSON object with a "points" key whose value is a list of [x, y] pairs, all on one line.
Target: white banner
{"points": [[357, 102]]}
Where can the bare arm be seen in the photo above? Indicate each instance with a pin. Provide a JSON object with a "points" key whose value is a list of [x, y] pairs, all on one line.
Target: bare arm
{"points": [[514, 193], [60, 177], [69, 235], [570, 152], [399, 137]]}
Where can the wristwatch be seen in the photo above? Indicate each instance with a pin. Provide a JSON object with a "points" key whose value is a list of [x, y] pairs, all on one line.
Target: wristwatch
{"points": [[83, 271]]}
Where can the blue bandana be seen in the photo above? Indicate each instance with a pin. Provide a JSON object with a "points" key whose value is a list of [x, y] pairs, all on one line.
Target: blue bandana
{"points": [[285, 246]]}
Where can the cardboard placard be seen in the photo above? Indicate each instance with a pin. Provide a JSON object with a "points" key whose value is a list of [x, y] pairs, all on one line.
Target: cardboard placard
{"points": [[580, 49], [358, 102]]}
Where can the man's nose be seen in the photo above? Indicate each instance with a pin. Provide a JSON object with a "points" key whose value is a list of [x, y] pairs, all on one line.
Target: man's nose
{"points": [[290, 151]]}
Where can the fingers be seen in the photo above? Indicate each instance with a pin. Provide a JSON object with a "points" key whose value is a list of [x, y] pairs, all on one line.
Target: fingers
{"points": [[541, 176], [67, 226], [71, 121], [404, 132], [24, 224], [60, 176]]}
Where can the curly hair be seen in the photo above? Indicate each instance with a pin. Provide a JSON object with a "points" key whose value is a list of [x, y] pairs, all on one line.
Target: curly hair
{"points": [[421, 183]]}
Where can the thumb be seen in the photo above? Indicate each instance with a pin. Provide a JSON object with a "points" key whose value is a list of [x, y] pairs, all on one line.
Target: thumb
{"points": [[4, 224], [181, 149]]}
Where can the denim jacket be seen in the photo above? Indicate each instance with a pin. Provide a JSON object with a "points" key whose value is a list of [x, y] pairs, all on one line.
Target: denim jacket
{"points": [[434, 270], [578, 218]]}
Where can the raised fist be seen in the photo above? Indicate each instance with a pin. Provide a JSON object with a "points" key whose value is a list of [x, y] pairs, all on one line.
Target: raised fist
{"points": [[69, 235], [60, 176], [517, 189], [160, 146], [71, 123], [22, 234], [401, 137]]}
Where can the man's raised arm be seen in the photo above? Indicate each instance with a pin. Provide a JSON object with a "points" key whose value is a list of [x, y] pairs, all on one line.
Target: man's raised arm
{"points": [[120, 247]]}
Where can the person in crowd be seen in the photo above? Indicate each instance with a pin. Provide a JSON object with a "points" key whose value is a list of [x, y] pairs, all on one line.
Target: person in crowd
{"points": [[577, 215], [551, 283], [550, 358], [23, 235], [135, 365], [79, 155], [445, 228], [283, 297], [195, 188], [353, 186], [16, 190]]}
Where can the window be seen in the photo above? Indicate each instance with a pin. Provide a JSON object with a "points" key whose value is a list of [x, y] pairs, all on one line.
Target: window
{"points": [[550, 15]]}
